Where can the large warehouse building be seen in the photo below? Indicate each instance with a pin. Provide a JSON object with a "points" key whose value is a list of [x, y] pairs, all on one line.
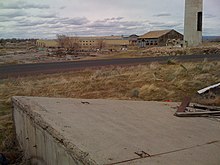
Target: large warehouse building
{"points": [[90, 42], [159, 38], [152, 38]]}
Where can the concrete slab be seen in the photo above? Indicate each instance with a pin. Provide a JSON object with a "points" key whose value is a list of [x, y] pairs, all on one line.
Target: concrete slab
{"points": [[78, 131]]}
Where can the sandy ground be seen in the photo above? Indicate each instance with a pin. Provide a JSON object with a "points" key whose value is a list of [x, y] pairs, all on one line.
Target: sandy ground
{"points": [[32, 57], [43, 57], [36, 56]]}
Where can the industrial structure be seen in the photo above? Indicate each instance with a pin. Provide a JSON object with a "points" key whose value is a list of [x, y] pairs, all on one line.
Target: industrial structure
{"points": [[193, 22], [47, 43], [159, 38], [152, 38], [89, 42]]}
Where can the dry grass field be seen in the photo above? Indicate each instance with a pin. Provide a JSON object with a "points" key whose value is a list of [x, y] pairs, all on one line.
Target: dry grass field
{"points": [[160, 82], [17, 57], [205, 48]]}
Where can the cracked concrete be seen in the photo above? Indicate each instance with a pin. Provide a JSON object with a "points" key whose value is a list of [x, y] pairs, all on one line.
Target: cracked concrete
{"points": [[110, 132]]}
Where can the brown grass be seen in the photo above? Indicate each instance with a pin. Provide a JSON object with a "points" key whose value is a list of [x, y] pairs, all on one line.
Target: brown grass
{"points": [[117, 82], [205, 48], [144, 82]]}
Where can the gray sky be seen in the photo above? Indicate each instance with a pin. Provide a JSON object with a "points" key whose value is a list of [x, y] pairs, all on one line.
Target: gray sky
{"points": [[46, 18]]}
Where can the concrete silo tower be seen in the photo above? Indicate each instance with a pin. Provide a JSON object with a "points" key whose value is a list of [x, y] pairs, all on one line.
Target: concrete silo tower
{"points": [[193, 22]]}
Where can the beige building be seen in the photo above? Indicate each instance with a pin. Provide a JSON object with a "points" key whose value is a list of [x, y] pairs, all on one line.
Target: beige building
{"points": [[90, 42], [47, 43]]}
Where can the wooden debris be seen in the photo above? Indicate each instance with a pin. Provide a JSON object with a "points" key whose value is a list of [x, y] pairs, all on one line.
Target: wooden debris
{"points": [[208, 88], [198, 114], [184, 104], [185, 110]]}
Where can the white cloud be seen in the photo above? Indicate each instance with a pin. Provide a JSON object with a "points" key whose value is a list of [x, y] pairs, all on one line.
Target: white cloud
{"points": [[209, 16], [12, 13], [46, 15], [162, 15], [23, 5], [62, 7], [98, 17]]}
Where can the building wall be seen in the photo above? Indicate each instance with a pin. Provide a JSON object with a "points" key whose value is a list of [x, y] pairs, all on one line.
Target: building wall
{"points": [[192, 35], [116, 42], [107, 42], [37, 142], [161, 41], [147, 42], [89, 42], [47, 43]]}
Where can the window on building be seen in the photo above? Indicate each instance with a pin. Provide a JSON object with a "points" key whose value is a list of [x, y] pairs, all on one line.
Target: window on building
{"points": [[199, 21]]}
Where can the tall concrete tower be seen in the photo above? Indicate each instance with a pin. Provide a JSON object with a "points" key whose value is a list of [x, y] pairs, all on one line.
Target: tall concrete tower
{"points": [[193, 22]]}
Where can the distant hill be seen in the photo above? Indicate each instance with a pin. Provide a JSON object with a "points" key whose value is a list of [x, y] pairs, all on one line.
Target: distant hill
{"points": [[211, 38]]}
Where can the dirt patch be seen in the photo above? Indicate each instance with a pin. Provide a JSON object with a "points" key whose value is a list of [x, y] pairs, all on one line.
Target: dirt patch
{"points": [[43, 56]]}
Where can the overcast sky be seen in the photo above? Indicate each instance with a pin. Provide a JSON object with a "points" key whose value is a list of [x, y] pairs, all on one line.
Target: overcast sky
{"points": [[46, 18]]}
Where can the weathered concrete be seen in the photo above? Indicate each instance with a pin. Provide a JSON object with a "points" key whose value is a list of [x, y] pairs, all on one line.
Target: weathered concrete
{"points": [[192, 35], [76, 131]]}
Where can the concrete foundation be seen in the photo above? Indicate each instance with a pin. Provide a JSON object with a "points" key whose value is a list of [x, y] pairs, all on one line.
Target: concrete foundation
{"points": [[56, 131], [193, 22]]}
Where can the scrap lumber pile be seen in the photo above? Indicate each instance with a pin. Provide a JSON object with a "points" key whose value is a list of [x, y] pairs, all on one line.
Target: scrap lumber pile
{"points": [[196, 110]]}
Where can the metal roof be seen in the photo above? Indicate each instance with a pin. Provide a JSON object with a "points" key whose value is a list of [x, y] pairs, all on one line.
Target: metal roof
{"points": [[155, 34]]}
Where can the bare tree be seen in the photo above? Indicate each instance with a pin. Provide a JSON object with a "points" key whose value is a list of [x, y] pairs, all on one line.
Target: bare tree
{"points": [[101, 44], [61, 39], [68, 42], [72, 43]]}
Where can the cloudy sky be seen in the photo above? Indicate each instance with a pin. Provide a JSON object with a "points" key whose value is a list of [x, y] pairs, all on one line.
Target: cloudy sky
{"points": [[46, 18]]}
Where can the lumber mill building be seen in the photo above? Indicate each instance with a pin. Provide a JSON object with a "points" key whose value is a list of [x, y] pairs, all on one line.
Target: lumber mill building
{"points": [[159, 38]]}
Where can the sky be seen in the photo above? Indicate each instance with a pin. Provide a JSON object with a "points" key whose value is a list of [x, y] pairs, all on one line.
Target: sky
{"points": [[47, 18]]}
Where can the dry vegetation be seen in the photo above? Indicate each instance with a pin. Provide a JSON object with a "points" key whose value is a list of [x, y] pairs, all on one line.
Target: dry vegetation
{"points": [[16, 57], [144, 82], [206, 48]]}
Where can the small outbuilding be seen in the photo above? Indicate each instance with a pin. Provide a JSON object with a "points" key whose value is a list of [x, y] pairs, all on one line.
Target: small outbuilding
{"points": [[159, 38], [133, 39]]}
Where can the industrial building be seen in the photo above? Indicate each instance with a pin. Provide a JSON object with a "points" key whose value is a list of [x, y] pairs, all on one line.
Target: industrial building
{"points": [[90, 42], [152, 38], [47, 43], [158, 38], [193, 22]]}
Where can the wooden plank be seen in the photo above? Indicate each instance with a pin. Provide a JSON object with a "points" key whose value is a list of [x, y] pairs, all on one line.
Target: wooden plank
{"points": [[204, 107], [184, 104], [198, 114]]}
